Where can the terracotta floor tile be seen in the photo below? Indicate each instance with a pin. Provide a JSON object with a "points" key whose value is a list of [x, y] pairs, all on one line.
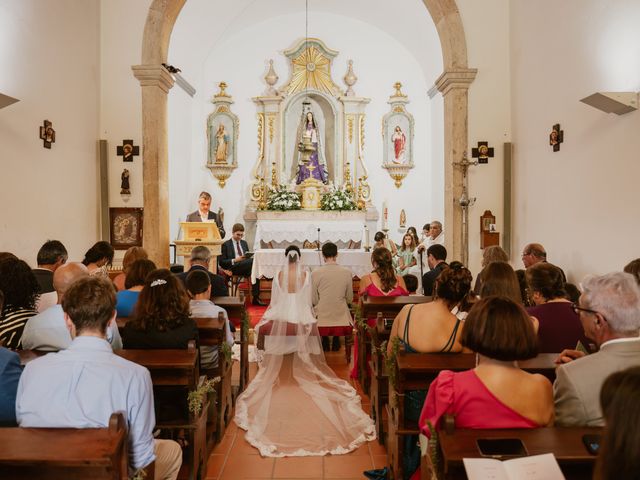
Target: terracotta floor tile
{"points": [[380, 461], [298, 467], [376, 449], [214, 466], [361, 450], [243, 466], [242, 447], [225, 444], [345, 466]]}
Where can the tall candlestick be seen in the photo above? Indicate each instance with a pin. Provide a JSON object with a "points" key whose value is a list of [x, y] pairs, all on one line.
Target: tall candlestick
{"points": [[366, 238]]}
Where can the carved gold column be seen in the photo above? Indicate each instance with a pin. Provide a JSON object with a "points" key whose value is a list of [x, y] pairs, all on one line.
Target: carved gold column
{"points": [[454, 86], [156, 82]]}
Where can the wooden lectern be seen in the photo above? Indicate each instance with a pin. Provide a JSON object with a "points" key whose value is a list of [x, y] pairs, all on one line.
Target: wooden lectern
{"points": [[199, 233]]}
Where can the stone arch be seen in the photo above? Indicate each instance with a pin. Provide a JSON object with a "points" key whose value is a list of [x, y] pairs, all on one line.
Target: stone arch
{"points": [[156, 82]]}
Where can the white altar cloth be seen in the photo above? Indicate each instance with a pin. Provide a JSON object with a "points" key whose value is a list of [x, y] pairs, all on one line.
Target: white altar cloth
{"points": [[268, 261], [300, 225]]}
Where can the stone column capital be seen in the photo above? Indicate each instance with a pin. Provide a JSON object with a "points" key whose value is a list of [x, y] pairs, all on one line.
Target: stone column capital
{"points": [[153, 76], [455, 79]]}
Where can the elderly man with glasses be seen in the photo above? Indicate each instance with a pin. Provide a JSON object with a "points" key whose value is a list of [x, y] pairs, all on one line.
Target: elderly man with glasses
{"points": [[609, 311], [534, 253]]}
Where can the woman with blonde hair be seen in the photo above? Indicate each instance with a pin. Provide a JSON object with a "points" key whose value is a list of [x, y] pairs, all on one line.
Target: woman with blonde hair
{"points": [[494, 253], [130, 256]]}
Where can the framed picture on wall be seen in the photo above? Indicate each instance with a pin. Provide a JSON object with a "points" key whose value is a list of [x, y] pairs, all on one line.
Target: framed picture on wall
{"points": [[125, 227]]}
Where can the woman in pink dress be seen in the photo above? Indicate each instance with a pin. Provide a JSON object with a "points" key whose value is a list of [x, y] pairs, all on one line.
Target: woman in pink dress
{"points": [[382, 282], [497, 393]]}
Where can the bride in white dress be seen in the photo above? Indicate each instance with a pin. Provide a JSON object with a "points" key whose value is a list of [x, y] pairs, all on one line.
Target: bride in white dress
{"points": [[296, 405]]}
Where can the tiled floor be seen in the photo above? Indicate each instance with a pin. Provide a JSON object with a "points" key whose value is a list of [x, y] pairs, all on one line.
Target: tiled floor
{"points": [[235, 459]]}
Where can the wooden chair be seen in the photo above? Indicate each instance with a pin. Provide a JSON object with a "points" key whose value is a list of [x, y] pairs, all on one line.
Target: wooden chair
{"points": [[65, 453], [174, 373]]}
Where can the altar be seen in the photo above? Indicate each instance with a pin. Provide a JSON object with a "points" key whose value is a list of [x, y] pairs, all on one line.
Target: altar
{"points": [[267, 262], [279, 229]]}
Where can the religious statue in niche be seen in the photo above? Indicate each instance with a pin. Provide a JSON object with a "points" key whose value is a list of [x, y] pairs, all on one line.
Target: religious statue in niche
{"points": [[556, 137], [47, 134], [125, 189], [222, 140], [399, 141], [310, 157], [397, 136], [222, 137]]}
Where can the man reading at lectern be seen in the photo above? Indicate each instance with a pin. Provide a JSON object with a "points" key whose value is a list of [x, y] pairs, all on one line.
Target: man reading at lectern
{"points": [[233, 259], [203, 214]]}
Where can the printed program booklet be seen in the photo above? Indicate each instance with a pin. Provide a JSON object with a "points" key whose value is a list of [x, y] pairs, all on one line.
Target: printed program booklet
{"points": [[536, 467]]}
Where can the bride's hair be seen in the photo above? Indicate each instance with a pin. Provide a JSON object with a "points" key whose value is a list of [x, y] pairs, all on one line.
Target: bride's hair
{"points": [[292, 248], [383, 266]]}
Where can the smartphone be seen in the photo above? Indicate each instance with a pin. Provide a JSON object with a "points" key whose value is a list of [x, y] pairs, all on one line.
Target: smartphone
{"points": [[592, 443], [248, 254], [501, 447]]}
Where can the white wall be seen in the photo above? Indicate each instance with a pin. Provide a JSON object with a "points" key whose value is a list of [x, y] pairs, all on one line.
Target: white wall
{"points": [[581, 202], [240, 59], [49, 56], [486, 26]]}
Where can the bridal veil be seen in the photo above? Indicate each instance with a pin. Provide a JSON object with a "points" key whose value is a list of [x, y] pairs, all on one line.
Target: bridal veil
{"points": [[296, 405]]}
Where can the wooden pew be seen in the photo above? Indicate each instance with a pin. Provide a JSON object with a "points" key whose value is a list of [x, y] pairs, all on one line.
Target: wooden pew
{"points": [[416, 371], [211, 332], [65, 453], [565, 443], [370, 307], [174, 373], [385, 309], [236, 311]]}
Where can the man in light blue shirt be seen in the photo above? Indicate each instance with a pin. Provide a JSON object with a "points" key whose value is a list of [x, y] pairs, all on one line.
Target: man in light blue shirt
{"points": [[47, 330], [81, 387]]}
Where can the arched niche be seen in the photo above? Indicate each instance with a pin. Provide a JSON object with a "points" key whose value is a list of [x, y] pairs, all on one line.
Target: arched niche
{"points": [[156, 82], [326, 111]]}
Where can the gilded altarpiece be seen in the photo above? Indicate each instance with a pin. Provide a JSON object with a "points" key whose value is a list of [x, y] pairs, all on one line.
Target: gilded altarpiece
{"points": [[310, 104]]}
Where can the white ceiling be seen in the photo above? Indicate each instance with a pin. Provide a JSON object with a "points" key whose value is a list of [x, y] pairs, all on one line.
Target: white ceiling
{"points": [[204, 23]]}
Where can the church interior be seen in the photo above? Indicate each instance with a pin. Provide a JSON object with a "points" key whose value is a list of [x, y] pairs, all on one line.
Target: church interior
{"points": [[511, 122]]}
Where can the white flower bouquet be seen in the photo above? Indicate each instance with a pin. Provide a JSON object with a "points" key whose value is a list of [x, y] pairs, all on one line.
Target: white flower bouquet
{"points": [[337, 199], [281, 198]]}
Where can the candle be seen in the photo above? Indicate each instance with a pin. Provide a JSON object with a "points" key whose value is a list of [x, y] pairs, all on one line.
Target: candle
{"points": [[366, 237]]}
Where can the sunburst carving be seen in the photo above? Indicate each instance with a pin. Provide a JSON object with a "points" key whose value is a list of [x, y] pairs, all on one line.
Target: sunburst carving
{"points": [[311, 69]]}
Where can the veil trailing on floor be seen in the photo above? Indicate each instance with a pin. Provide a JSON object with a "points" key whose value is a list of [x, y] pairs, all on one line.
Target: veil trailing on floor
{"points": [[296, 405]]}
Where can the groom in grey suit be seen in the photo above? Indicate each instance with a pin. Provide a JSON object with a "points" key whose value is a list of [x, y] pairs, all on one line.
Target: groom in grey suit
{"points": [[203, 213], [609, 311]]}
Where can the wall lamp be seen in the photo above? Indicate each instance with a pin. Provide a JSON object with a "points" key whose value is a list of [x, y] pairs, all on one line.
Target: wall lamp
{"points": [[613, 102]]}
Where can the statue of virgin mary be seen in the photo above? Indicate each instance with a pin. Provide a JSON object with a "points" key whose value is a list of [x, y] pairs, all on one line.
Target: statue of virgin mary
{"points": [[308, 132]]}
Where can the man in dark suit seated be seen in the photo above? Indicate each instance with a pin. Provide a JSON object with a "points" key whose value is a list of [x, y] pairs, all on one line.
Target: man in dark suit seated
{"points": [[436, 256], [200, 257], [203, 213], [50, 256], [234, 260]]}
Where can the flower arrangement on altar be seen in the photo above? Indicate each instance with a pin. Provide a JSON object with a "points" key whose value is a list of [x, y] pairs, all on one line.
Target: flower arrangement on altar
{"points": [[337, 199], [282, 198]]}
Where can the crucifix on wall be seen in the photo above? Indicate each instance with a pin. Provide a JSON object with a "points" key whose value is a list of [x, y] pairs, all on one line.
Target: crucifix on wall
{"points": [[556, 137], [47, 134], [483, 152], [127, 151]]}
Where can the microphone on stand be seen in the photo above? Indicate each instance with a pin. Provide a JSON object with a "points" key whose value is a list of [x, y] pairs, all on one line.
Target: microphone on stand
{"points": [[318, 238]]}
